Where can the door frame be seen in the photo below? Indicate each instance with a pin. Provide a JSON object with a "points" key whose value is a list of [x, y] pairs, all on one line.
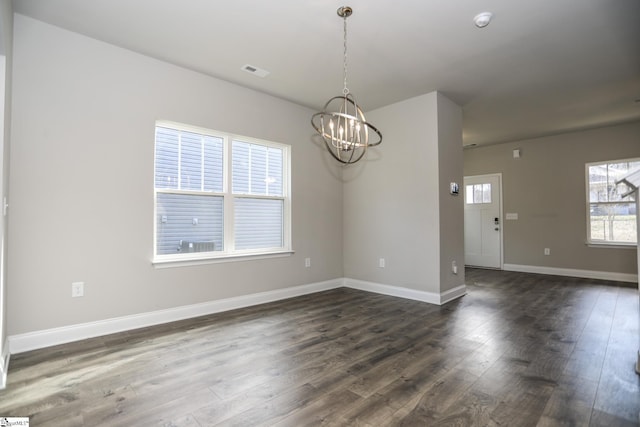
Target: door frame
{"points": [[497, 175]]}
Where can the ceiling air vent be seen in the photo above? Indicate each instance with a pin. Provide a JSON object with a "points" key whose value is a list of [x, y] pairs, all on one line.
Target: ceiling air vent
{"points": [[255, 70]]}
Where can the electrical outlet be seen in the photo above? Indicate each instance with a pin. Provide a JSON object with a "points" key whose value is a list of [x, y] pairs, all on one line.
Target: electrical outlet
{"points": [[454, 267], [547, 251], [307, 262], [381, 263], [77, 289]]}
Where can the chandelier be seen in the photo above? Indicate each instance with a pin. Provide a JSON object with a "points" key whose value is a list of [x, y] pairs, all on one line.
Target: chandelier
{"points": [[341, 123]]}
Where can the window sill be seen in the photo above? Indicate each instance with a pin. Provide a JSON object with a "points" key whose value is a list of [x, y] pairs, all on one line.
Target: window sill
{"points": [[612, 245], [171, 261]]}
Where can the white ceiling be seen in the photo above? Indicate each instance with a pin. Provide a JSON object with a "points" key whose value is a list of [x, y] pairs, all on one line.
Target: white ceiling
{"points": [[541, 67]]}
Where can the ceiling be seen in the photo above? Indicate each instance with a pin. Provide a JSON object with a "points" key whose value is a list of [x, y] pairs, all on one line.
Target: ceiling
{"points": [[541, 67]]}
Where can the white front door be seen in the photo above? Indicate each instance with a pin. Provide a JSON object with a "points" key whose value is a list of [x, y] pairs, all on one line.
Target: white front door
{"points": [[483, 221]]}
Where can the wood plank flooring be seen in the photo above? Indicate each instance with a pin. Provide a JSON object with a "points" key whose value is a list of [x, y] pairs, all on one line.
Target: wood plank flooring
{"points": [[518, 350]]}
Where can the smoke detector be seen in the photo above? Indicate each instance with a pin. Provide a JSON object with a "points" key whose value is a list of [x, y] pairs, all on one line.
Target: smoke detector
{"points": [[483, 19]]}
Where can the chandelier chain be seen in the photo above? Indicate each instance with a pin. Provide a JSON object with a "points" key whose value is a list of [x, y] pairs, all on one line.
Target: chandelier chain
{"points": [[345, 90]]}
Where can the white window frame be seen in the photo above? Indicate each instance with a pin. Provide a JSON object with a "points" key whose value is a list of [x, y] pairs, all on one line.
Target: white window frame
{"points": [[603, 243], [229, 253]]}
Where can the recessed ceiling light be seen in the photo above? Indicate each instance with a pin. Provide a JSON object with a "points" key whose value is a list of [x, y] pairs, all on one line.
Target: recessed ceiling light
{"points": [[483, 19], [254, 70]]}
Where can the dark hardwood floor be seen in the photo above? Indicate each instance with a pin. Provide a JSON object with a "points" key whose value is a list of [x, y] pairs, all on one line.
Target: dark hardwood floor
{"points": [[517, 350]]}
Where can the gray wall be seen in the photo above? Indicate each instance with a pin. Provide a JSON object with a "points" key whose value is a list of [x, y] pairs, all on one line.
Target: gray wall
{"points": [[395, 205], [451, 208], [546, 187], [82, 182]]}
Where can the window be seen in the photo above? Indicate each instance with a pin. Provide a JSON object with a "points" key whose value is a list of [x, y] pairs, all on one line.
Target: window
{"points": [[478, 193], [611, 218], [218, 195]]}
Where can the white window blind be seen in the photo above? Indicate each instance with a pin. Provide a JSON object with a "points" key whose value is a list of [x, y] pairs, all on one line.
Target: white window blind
{"points": [[258, 223], [196, 215]]}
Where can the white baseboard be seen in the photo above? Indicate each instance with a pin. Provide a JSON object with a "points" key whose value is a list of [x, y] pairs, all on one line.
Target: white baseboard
{"points": [[4, 364], [570, 272], [397, 291], [49, 337], [46, 338], [452, 294]]}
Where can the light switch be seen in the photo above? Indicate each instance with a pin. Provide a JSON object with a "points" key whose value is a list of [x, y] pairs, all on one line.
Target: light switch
{"points": [[512, 215]]}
